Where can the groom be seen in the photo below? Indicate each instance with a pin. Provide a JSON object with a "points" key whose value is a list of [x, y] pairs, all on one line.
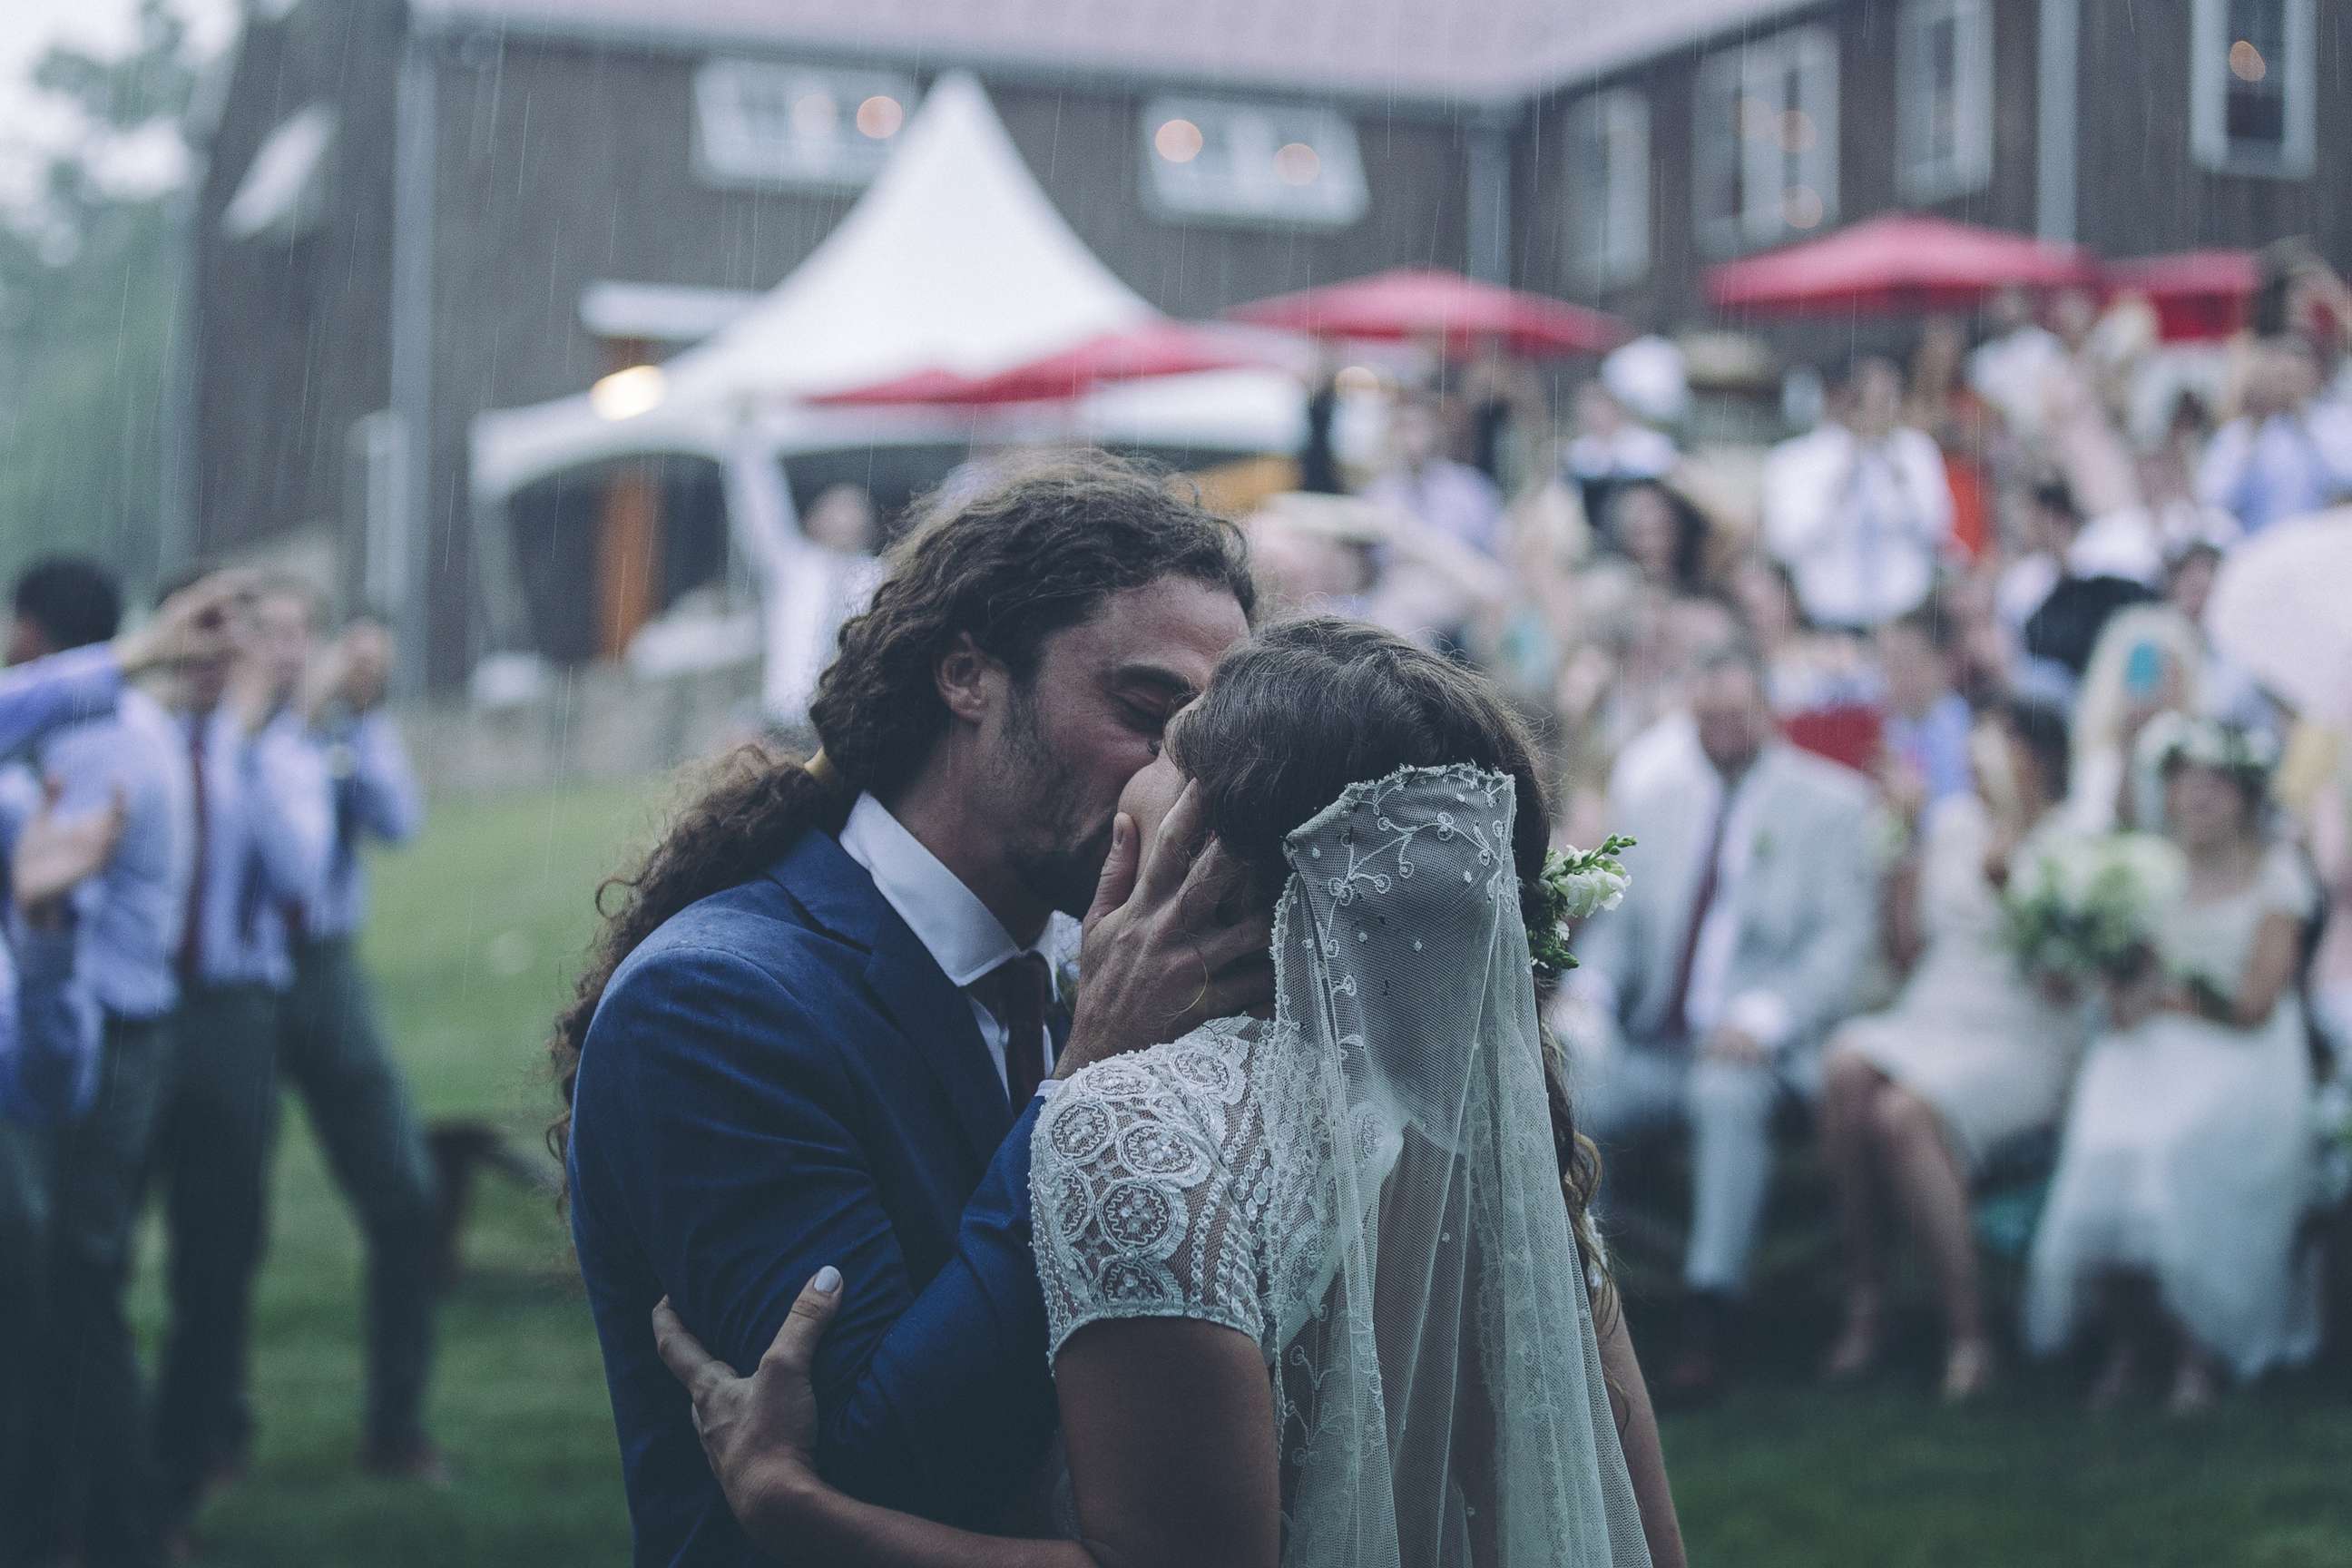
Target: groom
{"points": [[833, 1052]]}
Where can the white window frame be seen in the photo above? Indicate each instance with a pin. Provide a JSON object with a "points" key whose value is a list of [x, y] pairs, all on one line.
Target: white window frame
{"points": [[2208, 134], [378, 478], [1922, 174], [730, 149], [1746, 71], [1607, 219], [1233, 179]]}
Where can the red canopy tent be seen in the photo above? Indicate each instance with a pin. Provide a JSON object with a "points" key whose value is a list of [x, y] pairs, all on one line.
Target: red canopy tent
{"points": [[1156, 348], [2197, 294], [1898, 264], [1417, 302]]}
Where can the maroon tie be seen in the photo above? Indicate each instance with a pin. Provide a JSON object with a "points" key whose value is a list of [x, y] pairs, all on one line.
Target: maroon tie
{"points": [[192, 933], [1017, 990], [1710, 876]]}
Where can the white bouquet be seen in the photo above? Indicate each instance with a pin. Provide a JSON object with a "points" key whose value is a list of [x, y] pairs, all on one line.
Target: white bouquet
{"points": [[2085, 908]]}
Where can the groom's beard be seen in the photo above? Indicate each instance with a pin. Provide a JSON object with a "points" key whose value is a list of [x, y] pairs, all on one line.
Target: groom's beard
{"points": [[1052, 848]]}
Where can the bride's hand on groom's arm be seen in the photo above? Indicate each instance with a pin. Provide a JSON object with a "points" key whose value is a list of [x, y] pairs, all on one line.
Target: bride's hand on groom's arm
{"points": [[758, 1433], [1174, 939]]}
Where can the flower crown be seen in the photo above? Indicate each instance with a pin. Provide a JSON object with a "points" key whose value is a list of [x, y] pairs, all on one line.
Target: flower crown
{"points": [[1576, 884], [2172, 738]]}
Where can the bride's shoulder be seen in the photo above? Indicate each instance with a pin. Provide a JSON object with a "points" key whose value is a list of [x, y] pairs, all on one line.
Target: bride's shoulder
{"points": [[1195, 1081]]}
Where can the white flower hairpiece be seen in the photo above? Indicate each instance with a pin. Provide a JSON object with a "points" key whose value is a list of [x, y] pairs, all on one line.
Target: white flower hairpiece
{"points": [[2206, 742]]}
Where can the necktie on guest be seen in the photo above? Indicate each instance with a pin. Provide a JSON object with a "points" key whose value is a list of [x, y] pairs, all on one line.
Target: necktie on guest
{"points": [[1710, 880], [191, 930], [1018, 991]]}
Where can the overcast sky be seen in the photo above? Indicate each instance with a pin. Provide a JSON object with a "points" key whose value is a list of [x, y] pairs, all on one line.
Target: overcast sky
{"points": [[30, 124]]}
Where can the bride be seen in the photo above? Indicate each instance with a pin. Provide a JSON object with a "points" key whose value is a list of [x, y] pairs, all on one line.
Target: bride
{"points": [[1322, 1288]]}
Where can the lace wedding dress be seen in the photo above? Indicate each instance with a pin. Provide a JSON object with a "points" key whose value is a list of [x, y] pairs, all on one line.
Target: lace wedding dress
{"points": [[1365, 1184]]}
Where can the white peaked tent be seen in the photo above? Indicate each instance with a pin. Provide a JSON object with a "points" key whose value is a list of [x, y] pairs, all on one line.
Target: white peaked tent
{"points": [[953, 259]]}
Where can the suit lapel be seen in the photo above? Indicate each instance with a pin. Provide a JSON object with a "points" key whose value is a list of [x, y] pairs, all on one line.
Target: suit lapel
{"points": [[907, 983], [936, 1017]]}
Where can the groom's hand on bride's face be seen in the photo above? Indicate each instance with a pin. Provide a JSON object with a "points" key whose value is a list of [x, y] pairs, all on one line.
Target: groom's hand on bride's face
{"points": [[758, 1433], [1173, 940]]}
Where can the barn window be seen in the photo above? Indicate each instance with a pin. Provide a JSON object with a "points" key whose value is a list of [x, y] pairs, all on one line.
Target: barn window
{"points": [[1608, 188], [762, 122], [1944, 98], [1214, 160], [2251, 69], [1767, 141]]}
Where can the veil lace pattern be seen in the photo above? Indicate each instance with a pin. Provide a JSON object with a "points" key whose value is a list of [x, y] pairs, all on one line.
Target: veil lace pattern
{"points": [[1365, 1186]]}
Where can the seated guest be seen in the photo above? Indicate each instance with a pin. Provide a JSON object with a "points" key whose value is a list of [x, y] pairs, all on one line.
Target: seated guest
{"points": [[1927, 723], [2153, 658], [1742, 936], [2186, 1163], [1967, 1060]]}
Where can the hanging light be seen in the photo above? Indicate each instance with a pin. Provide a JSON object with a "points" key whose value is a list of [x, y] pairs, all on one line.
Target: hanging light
{"points": [[1178, 140], [880, 116], [1803, 207], [1296, 163], [625, 393]]}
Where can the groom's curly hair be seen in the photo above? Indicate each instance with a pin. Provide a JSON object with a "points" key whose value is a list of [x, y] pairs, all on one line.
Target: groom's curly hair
{"points": [[1306, 708], [1036, 553]]}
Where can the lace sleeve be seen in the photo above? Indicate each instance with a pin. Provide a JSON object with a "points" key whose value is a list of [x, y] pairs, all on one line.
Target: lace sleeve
{"points": [[1132, 1196]]}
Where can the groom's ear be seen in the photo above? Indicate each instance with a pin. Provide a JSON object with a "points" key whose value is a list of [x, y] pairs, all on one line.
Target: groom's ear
{"points": [[968, 680]]}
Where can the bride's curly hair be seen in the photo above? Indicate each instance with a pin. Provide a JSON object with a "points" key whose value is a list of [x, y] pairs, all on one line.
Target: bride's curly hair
{"points": [[1306, 708], [1033, 554]]}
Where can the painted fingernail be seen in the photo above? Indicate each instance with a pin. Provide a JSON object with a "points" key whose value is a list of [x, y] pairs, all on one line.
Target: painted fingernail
{"points": [[827, 1280]]}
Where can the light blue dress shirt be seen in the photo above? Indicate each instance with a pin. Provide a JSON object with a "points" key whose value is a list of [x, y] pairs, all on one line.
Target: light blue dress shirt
{"points": [[130, 912], [49, 1032], [266, 826], [372, 793], [37, 697]]}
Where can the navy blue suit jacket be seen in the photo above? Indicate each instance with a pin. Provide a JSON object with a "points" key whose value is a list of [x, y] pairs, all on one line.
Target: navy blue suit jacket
{"points": [[781, 1078]]}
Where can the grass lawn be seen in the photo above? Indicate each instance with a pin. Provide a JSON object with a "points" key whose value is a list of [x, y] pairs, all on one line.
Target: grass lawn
{"points": [[476, 933]]}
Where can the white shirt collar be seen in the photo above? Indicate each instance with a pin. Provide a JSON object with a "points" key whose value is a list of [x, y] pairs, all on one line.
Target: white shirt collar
{"points": [[947, 918]]}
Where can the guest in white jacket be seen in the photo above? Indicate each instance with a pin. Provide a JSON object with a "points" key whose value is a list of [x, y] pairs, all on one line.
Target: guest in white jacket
{"points": [[1739, 944], [1859, 509]]}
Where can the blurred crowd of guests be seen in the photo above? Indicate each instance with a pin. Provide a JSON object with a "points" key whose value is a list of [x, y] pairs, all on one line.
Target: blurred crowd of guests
{"points": [[183, 808], [1836, 691], [1840, 688]]}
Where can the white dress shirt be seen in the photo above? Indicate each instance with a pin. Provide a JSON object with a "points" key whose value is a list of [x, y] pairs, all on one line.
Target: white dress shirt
{"points": [[1708, 1004], [1709, 1001], [955, 928], [1861, 525]]}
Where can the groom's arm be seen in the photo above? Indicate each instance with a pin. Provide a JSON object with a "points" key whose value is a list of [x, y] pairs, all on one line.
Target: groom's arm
{"points": [[727, 1110]]}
